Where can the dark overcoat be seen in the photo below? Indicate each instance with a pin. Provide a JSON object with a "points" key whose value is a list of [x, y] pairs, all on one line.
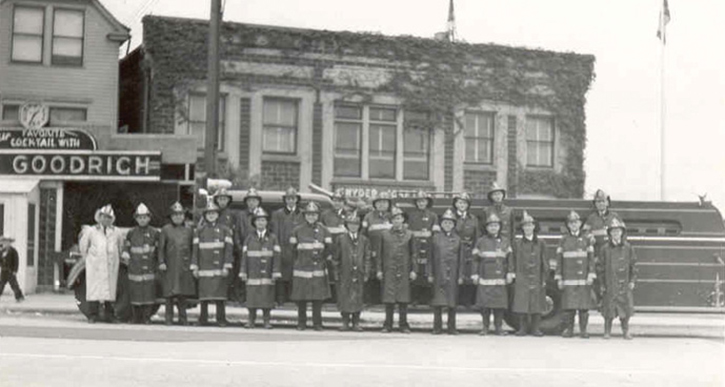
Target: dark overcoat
{"points": [[175, 246], [282, 223], [352, 267], [398, 257], [531, 268], [140, 251], [444, 268], [617, 269], [423, 223], [469, 232]]}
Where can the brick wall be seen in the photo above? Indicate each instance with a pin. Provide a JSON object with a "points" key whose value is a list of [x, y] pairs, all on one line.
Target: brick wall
{"points": [[279, 175], [477, 183], [130, 92]]}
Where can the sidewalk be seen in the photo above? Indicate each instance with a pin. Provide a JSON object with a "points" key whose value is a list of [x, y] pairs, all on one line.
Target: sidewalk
{"points": [[46, 304]]}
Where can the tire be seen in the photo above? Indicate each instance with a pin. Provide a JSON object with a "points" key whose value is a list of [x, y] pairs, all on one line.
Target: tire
{"points": [[551, 319], [122, 306]]}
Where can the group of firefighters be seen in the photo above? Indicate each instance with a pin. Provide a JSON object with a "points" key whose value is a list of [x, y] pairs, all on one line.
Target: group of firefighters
{"points": [[295, 254]]}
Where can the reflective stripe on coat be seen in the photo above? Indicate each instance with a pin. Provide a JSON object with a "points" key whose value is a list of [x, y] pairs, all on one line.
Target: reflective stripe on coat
{"points": [[313, 247], [260, 265], [575, 263], [213, 252], [493, 260], [282, 224], [140, 250]]}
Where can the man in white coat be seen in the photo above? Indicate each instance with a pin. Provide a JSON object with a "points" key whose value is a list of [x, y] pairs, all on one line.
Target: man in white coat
{"points": [[100, 246]]}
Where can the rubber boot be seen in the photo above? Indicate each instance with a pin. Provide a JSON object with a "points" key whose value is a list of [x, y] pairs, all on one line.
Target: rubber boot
{"points": [[169, 311], [252, 318], [568, 324], [356, 322], [110, 314], [625, 328], [486, 317], [301, 316], [146, 313], [266, 313], [221, 314], [452, 321], [437, 320], [403, 322], [317, 315], [535, 325], [345, 322], [583, 321], [388, 325], [203, 314], [136, 314], [93, 307], [607, 328], [498, 322], [522, 325], [181, 305]]}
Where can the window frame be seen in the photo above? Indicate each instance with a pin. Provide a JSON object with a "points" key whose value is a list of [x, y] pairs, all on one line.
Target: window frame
{"points": [[411, 126], [492, 140], [552, 157], [50, 114], [13, 34], [221, 130], [360, 144], [296, 131], [82, 38]]}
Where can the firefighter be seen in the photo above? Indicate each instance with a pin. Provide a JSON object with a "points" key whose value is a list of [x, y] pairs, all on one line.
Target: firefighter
{"points": [[530, 268], [352, 268], [140, 255], [443, 272], [312, 245], [496, 196], [597, 221], [396, 268], [423, 223], [211, 262], [373, 225], [468, 229], [100, 246], [175, 247], [618, 272], [334, 219], [252, 201], [575, 274], [260, 268], [284, 220], [233, 220], [491, 273]]}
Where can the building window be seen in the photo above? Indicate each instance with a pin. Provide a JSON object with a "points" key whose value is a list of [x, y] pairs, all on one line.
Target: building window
{"points": [[382, 142], [28, 25], [60, 115], [539, 141], [479, 138], [11, 112], [348, 141], [197, 119], [416, 146], [279, 126], [67, 37]]}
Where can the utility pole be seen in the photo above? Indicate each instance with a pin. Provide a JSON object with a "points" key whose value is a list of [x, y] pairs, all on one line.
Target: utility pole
{"points": [[212, 91]]}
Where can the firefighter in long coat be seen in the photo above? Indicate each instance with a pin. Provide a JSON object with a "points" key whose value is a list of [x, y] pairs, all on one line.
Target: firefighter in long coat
{"points": [[373, 225], [443, 272], [423, 223], [175, 247], [496, 196], [575, 274], [211, 263], [260, 268], [252, 201], [100, 247], [284, 221], [352, 267], [396, 269], [334, 219], [595, 226], [233, 220], [491, 273], [313, 249], [468, 230], [618, 272], [530, 268], [141, 256]]}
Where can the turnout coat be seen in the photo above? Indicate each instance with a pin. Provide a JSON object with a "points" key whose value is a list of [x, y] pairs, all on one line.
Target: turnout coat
{"points": [[445, 264], [596, 225], [312, 245], [469, 231], [494, 257], [213, 251], [374, 223], [101, 250], [575, 263], [352, 268], [140, 252], [333, 220], [283, 222], [260, 268], [617, 269], [175, 246], [531, 268], [507, 220], [423, 223], [398, 258]]}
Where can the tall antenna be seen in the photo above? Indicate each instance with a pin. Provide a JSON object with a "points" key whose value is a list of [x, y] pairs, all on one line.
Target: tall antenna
{"points": [[451, 22]]}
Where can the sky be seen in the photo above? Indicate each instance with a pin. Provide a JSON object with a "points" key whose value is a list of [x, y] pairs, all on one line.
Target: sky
{"points": [[623, 103]]}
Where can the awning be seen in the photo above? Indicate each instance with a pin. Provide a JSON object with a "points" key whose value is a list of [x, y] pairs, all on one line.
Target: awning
{"points": [[18, 186]]}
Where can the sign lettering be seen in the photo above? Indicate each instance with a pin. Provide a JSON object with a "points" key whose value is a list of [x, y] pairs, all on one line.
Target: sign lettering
{"points": [[47, 138], [82, 165]]}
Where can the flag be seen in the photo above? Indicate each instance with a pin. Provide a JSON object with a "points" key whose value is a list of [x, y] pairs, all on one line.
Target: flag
{"points": [[664, 19]]}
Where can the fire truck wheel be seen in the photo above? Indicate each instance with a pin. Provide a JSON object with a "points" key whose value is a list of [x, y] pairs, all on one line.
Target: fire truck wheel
{"points": [[551, 319]]}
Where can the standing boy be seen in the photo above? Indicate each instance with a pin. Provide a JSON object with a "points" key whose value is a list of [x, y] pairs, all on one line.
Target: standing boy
{"points": [[139, 253], [444, 274], [352, 267], [175, 247]]}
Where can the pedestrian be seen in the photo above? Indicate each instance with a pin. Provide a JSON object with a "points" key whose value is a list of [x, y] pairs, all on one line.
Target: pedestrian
{"points": [[530, 268], [232, 218], [618, 273], [575, 274], [100, 248], [423, 223], [175, 250], [211, 264], [396, 269], [373, 225], [443, 272], [260, 268], [284, 221], [9, 267], [491, 273], [312, 245], [496, 196], [468, 230], [140, 255], [352, 267]]}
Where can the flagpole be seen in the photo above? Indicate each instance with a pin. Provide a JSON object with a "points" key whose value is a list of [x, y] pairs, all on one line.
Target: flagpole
{"points": [[663, 163]]}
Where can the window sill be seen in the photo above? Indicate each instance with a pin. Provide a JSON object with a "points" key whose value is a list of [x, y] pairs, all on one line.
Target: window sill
{"points": [[540, 167], [281, 157], [479, 167]]}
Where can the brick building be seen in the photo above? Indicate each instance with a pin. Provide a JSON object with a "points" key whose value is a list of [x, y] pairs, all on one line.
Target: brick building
{"points": [[365, 111]]}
